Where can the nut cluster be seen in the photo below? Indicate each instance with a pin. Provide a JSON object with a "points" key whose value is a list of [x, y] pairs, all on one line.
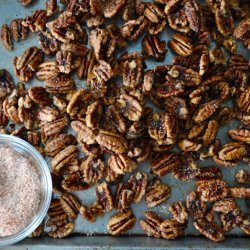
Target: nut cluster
{"points": [[110, 116]]}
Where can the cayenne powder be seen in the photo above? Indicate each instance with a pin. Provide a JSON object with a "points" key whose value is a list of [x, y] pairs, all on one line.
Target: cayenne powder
{"points": [[20, 191]]}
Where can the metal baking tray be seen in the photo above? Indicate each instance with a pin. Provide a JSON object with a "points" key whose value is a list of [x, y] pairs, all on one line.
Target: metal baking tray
{"points": [[89, 236]]}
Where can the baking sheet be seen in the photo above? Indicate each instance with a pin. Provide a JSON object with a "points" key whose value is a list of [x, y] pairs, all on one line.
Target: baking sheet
{"points": [[10, 9]]}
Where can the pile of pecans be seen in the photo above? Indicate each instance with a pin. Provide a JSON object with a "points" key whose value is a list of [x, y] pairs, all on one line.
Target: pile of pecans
{"points": [[113, 124]]}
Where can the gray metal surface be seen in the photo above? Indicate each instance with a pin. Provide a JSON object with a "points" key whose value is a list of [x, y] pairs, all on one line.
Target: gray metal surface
{"points": [[12, 9]]}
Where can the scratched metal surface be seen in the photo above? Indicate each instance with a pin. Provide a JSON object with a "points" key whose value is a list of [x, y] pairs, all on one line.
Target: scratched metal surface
{"points": [[12, 9]]}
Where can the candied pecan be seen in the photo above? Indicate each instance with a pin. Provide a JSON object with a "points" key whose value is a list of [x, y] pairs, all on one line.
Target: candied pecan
{"points": [[210, 132], [65, 61], [181, 45], [37, 232], [63, 157], [92, 169], [76, 48], [86, 65], [188, 146], [27, 63], [62, 231], [172, 229], [225, 115], [124, 197], [55, 208], [192, 12], [39, 96], [34, 137], [243, 100], [238, 62], [6, 83], [209, 229], [74, 182], [132, 29], [231, 219], [242, 177], [70, 205], [212, 190], [239, 192], [47, 70], [242, 135], [151, 225], [209, 173], [51, 7], [178, 20], [224, 206], [177, 106], [196, 95], [230, 45], [101, 72], [18, 31], [57, 221], [156, 193], [48, 43], [245, 225], [93, 115], [71, 167], [163, 128], [152, 46], [112, 142], [121, 222], [36, 22], [206, 111], [11, 110], [92, 212], [104, 197], [242, 31], [179, 212], [164, 164], [121, 164], [6, 37], [61, 84]]}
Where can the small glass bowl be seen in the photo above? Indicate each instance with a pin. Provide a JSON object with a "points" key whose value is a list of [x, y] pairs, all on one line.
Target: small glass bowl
{"points": [[43, 171]]}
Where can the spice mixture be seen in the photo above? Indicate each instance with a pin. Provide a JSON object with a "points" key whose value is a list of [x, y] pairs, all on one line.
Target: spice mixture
{"points": [[20, 191]]}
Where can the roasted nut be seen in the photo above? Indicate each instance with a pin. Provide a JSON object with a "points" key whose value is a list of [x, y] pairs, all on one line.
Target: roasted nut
{"points": [[39, 96], [210, 132], [34, 138], [92, 169], [92, 212], [62, 231], [86, 65], [55, 209], [243, 100], [74, 182], [152, 46], [61, 84], [157, 192], [209, 173], [121, 222], [212, 190], [242, 30], [18, 31], [36, 22], [189, 146], [239, 192], [124, 197], [70, 205], [104, 197], [112, 177], [57, 221], [151, 225], [48, 43], [224, 206], [6, 83], [172, 229], [178, 20], [209, 230], [112, 142], [47, 70], [6, 37], [238, 62], [245, 225], [63, 157], [65, 61], [179, 212], [103, 71], [51, 7], [164, 164], [71, 168], [121, 164], [242, 177], [231, 219], [37, 232], [242, 135], [181, 45]]}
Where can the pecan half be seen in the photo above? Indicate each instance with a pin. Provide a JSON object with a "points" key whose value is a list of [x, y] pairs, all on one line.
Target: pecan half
{"points": [[104, 197], [6, 83], [195, 206], [172, 229], [61, 84], [209, 173], [239, 192], [70, 205], [47, 70], [181, 45], [86, 65], [48, 43], [18, 30], [124, 197], [6, 37], [92, 212], [37, 232], [121, 222], [74, 182], [62, 231], [179, 212], [242, 176], [242, 135], [39, 96]]}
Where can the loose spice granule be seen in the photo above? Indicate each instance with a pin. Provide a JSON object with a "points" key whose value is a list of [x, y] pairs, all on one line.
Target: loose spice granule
{"points": [[20, 191]]}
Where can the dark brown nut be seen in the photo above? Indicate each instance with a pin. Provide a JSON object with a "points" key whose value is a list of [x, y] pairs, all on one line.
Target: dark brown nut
{"points": [[39, 96], [71, 168], [130, 107], [209, 230], [85, 134], [177, 106], [104, 197], [206, 111], [86, 65], [92, 212], [48, 43], [37, 232], [138, 185], [27, 63], [58, 220], [164, 164], [121, 164], [172, 229], [124, 197], [77, 49], [6, 37], [243, 100], [55, 209], [51, 7], [62, 231], [242, 135], [212, 190], [70, 205], [97, 89], [18, 31], [231, 219], [34, 137], [3, 119], [239, 192], [74, 182], [242, 177], [209, 173], [157, 192], [224, 206], [36, 22], [112, 142], [179, 212], [238, 62], [61, 84], [210, 132], [47, 70], [197, 95], [64, 157], [241, 31], [151, 224], [148, 81], [196, 131], [6, 83], [10, 110], [181, 45], [245, 225], [102, 72], [233, 151], [189, 146], [163, 128], [178, 20], [65, 61], [193, 14], [121, 222], [152, 46], [230, 45], [134, 28], [94, 115], [187, 169], [92, 169]]}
